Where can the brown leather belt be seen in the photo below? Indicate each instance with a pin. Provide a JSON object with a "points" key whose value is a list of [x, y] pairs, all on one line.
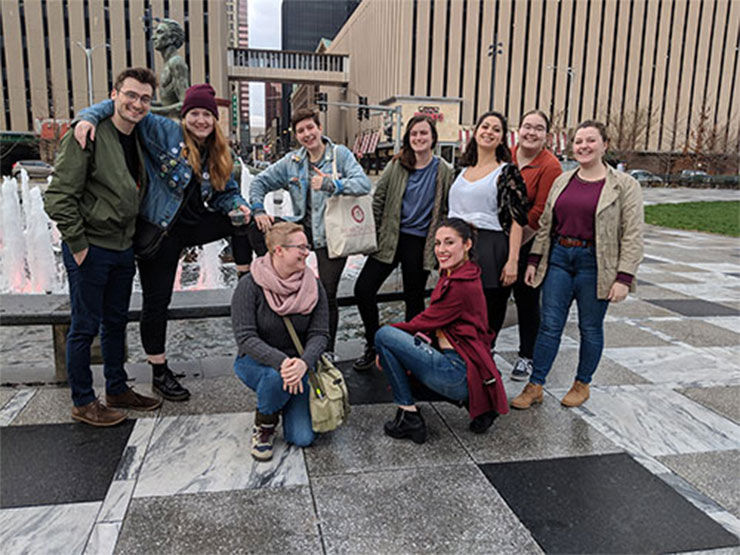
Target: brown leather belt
{"points": [[573, 242]]}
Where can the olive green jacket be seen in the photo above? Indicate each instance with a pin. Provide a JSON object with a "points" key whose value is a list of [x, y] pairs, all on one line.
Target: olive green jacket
{"points": [[92, 196], [618, 229], [387, 201]]}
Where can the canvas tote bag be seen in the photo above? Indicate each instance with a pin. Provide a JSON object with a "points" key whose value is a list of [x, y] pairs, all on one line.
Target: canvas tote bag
{"points": [[349, 223]]}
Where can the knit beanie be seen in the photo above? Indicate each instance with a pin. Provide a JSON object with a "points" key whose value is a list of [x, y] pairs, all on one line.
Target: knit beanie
{"points": [[200, 96]]}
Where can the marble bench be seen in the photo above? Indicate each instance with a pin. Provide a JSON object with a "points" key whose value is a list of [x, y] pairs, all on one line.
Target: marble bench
{"points": [[54, 310]]}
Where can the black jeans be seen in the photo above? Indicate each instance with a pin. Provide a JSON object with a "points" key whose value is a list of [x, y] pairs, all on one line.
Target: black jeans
{"points": [[157, 274], [330, 272], [527, 301], [410, 254]]}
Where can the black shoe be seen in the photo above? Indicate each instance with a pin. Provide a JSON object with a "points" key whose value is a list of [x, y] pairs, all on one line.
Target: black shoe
{"points": [[164, 382], [407, 424], [482, 422], [366, 361]]}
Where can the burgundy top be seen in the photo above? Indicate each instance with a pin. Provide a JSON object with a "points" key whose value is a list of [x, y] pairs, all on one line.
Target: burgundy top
{"points": [[458, 308], [575, 209], [575, 214]]}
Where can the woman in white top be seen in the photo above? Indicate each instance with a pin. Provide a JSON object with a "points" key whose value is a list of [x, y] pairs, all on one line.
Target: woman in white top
{"points": [[491, 195]]}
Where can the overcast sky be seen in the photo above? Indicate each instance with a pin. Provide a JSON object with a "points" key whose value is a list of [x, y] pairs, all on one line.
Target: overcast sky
{"points": [[264, 32]]}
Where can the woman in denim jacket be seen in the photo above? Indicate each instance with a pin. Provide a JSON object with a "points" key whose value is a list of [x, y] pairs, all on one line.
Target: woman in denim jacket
{"points": [[189, 200], [307, 175]]}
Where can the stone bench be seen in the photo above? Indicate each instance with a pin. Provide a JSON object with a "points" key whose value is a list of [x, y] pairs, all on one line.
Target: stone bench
{"points": [[54, 310]]}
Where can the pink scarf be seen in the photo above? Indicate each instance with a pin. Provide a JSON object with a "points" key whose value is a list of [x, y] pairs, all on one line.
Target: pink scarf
{"points": [[298, 294]]}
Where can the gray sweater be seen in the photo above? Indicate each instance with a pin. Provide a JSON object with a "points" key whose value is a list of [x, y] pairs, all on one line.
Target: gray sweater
{"points": [[261, 333]]}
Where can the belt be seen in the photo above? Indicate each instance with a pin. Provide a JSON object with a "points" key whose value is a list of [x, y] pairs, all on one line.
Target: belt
{"points": [[574, 242]]}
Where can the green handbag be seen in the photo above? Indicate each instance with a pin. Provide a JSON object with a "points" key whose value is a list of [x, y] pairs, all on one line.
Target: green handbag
{"points": [[328, 396]]}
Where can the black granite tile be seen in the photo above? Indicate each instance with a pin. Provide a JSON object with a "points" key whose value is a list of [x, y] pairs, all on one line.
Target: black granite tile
{"points": [[58, 463], [603, 504], [733, 274], [695, 307], [648, 260], [643, 282], [371, 387]]}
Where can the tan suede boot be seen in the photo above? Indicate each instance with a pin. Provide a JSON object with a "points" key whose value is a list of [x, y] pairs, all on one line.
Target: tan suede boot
{"points": [[532, 394], [577, 395]]}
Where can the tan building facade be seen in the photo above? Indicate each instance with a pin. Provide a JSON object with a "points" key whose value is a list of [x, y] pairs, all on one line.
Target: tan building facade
{"points": [[44, 72], [662, 73]]}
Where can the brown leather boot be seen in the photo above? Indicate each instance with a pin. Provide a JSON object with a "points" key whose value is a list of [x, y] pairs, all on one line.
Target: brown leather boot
{"points": [[130, 399], [577, 395], [97, 414], [532, 394]]}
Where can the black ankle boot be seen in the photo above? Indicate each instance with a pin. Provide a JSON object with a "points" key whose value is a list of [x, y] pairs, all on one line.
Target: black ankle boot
{"points": [[482, 422], [407, 424], [164, 382]]}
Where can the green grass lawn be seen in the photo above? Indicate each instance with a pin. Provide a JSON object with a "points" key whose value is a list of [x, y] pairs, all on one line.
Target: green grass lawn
{"points": [[721, 217]]}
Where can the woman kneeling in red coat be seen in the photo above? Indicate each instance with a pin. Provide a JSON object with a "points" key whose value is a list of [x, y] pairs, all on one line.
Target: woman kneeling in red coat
{"points": [[446, 347]]}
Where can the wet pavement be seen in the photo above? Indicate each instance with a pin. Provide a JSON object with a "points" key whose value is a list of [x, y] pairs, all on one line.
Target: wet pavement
{"points": [[648, 464]]}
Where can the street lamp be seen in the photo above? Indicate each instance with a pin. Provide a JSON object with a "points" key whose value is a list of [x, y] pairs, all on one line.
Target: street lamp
{"points": [[88, 55], [494, 49], [571, 74]]}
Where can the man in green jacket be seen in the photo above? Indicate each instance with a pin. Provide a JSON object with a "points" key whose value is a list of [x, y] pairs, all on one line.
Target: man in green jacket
{"points": [[94, 199]]}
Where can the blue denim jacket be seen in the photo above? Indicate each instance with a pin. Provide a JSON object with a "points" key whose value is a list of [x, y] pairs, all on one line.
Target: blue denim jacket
{"points": [[168, 171], [291, 173]]}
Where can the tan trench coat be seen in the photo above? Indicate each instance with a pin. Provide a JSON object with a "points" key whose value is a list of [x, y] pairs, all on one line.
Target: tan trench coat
{"points": [[618, 229]]}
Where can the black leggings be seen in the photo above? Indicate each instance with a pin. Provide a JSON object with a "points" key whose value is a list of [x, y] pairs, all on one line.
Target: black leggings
{"points": [[330, 272], [157, 274], [410, 255], [527, 306]]}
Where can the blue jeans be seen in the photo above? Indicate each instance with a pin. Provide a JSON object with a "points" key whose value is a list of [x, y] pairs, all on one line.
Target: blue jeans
{"points": [[444, 372], [266, 382], [571, 274], [99, 294]]}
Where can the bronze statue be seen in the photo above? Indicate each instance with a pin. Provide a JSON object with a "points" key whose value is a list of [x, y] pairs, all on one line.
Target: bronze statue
{"points": [[168, 37]]}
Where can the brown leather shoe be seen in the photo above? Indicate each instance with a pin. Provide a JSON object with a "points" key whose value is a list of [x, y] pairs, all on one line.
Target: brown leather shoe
{"points": [[132, 400], [577, 395], [97, 414], [532, 394]]}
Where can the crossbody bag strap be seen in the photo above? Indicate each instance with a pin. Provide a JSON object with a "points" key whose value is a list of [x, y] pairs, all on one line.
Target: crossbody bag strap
{"points": [[334, 174], [313, 377], [293, 335]]}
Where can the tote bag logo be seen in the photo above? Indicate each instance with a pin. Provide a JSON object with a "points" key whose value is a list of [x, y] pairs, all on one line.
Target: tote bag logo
{"points": [[358, 214]]}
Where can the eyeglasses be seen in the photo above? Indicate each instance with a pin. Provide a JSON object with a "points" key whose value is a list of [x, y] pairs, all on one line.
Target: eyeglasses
{"points": [[133, 97], [536, 128], [302, 248]]}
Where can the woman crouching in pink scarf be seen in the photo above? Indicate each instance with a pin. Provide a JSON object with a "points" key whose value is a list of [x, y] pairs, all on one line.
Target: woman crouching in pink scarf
{"points": [[280, 284]]}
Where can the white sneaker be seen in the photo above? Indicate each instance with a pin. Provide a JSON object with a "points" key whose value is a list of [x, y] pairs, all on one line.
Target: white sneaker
{"points": [[522, 369]]}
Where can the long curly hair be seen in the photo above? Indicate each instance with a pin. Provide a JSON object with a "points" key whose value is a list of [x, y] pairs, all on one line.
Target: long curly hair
{"points": [[220, 162], [503, 154]]}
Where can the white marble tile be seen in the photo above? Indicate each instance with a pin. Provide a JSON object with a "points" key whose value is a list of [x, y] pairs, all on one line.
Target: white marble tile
{"points": [[116, 501], [199, 453], [731, 323], [103, 538], [47, 529], [654, 421], [716, 278], [718, 266], [678, 365], [133, 454], [705, 291], [14, 407], [508, 340]]}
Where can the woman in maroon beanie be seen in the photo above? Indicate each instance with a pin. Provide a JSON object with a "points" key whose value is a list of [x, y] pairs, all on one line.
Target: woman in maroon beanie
{"points": [[446, 347], [190, 199]]}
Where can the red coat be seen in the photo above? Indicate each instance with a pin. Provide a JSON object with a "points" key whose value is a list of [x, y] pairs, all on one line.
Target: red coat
{"points": [[458, 308]]}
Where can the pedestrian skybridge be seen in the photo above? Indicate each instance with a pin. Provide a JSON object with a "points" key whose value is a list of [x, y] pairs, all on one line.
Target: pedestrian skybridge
{"points": [[252, 64]]}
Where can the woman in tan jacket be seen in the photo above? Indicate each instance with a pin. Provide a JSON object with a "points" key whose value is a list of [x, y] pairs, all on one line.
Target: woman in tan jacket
{"points": [[587, 249]]}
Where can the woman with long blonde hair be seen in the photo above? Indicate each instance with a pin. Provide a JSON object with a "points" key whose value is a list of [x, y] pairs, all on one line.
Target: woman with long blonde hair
{"points": [[189, 198]]}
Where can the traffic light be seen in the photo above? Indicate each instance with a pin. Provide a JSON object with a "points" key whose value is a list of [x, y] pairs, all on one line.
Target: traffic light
{"points": [[388, 125], [363, 113], [321, 99], [234, 112]]}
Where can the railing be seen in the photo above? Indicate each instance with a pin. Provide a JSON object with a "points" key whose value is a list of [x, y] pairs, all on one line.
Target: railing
{"points": [[285, 59]]}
